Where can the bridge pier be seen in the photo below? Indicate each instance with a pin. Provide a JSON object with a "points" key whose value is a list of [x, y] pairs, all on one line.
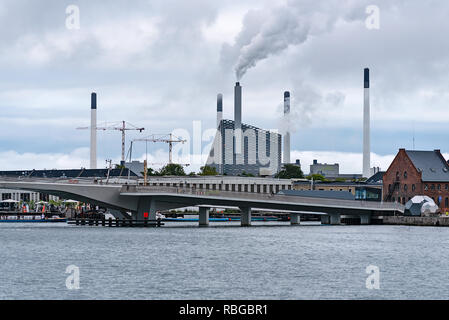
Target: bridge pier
{"points": [[295, 219], [365, 219], [203, 217], [146, 205], [325, 219], [335, 219], [245, 217]]}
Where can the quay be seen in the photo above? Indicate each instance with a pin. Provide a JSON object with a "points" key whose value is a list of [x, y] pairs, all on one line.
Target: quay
{"points": [[417, 221]]}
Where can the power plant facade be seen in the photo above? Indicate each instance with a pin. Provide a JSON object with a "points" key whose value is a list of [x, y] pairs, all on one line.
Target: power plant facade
{"points": [[240, 148], [260, 153]]}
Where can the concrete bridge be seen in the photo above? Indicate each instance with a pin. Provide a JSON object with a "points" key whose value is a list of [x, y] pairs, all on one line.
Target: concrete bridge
{"points": [[132, 201]]}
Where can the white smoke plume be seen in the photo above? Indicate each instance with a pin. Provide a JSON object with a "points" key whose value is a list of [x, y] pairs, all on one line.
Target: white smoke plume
{"points": [[305, 101], [269, 32]]}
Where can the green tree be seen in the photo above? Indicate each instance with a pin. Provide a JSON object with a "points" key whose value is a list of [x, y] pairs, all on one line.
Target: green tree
{"points": [[172, 169], [290, 171], [152, 172], [208, 171]]}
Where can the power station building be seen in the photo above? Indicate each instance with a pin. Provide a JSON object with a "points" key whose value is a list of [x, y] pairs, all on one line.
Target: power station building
{"points": [[240, 149], [260, 156]]}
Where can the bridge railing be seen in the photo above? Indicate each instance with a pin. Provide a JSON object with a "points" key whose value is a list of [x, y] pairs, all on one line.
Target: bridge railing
{"points": [[264, 197]]}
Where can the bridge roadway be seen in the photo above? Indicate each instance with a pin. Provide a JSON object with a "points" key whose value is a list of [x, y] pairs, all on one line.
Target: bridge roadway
{"points": [[138, 200]]}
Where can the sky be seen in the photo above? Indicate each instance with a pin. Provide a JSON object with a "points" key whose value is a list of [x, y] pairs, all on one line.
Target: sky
{"points": [[160, 64]]}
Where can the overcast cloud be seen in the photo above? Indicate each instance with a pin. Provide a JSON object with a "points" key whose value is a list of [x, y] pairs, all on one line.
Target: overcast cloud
{"points": [[159, 65]]}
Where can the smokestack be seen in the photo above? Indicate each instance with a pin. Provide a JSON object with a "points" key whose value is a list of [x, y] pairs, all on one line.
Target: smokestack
{"points": [[366, 127], [219, 109], [237, 106], [238, 117], [287, 134], [93, 131]]}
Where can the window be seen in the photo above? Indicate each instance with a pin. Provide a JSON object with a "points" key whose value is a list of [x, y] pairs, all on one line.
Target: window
{"points": [[397, 175], [405, 174], [426, 187], [432, 187], [405, 187], [446, 186], [413, 187], [439, 187], [446, 202]]}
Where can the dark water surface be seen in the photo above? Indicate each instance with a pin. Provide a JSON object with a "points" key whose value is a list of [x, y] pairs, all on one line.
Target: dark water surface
{"points": [[224, 261]]}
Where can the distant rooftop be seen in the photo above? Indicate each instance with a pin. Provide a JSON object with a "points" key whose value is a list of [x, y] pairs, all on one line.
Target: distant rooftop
{"points": [[431, 163]]}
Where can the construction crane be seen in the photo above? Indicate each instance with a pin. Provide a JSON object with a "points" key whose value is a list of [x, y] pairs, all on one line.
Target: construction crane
{"points": [[121, 126], [166, 138]]}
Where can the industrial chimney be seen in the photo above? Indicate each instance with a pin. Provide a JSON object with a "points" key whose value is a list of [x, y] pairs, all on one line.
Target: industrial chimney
{"points": [[287, 133], [238, 117], [366, 127], [93, 131], [237, 106], [219, 109]]}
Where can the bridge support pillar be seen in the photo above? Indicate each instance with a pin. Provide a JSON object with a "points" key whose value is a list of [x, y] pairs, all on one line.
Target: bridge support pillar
{"points": [[203, 217], [325, 219], [365, 219], [245, 217], [146, 205], [335, 219], [295, 219]]}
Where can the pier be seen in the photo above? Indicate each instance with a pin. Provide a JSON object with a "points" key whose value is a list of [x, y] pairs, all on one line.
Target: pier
{"points": [[115, 222]]}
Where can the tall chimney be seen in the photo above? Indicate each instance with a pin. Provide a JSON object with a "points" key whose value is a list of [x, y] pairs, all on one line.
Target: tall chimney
{"points": [[93, 131], [237, 106], [366, 127], [238, 117], [287, 134], [219, 109]]}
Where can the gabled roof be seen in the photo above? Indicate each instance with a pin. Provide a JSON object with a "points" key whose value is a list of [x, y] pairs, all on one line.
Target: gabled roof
{"points": [[431, 163], [376, 178]]}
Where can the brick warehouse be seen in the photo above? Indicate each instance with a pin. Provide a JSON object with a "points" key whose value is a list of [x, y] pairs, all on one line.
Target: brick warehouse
{"points": [[417, 173]]}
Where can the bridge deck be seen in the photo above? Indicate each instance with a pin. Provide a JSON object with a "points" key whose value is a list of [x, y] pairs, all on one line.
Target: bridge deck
{"points": [[178, 192]]}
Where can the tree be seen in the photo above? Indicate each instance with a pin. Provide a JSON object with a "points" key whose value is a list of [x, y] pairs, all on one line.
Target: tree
{"points": [[208, 171], [152, 172], [172, 169], [290, 171]]}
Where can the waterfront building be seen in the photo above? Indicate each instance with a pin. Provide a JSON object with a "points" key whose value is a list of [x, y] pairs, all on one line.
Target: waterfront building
{"points": [[370, 190], [417, 173]]}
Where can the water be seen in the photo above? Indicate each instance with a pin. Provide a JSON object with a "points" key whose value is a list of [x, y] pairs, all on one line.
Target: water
{"points": [[223, 261]]}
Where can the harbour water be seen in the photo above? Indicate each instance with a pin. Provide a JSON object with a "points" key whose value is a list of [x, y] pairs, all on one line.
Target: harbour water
{"points": [[223, 261]]}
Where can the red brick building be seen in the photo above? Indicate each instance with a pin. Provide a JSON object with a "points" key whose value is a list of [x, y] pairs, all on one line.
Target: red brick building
{"points": [[417, 173]]}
